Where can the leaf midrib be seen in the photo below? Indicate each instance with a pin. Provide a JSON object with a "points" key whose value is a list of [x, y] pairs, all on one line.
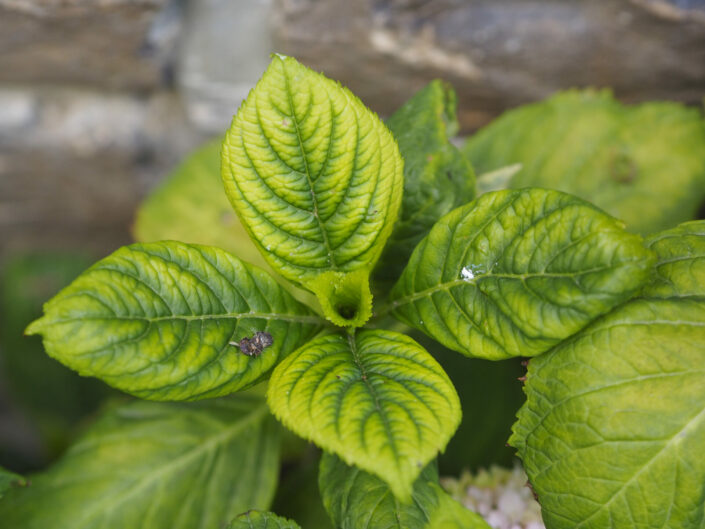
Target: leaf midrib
{"points": [[447, 285], [314, 199], [352, 340], [229, 315], [200, 449]]}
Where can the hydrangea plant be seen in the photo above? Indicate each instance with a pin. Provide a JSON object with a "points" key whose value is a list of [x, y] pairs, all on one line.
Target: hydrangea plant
{"points": [[359, 224]]}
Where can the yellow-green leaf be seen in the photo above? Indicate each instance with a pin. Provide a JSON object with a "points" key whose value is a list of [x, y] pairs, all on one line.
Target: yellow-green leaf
{"points": [[613, 429], [316, 179], [190, 206], [10, 479], [515, 272], [377, 399], [156, 320], [644, 164]]}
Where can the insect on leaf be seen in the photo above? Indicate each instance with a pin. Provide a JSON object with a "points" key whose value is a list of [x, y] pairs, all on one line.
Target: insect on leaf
{"points": [[156, 320]]}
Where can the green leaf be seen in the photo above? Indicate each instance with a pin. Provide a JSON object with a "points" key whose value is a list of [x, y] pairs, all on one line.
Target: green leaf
{"points": [[376, 399], [355, 498], [10, 479], [437, 177], [515, 272], [449, 514], [680, 267], [157, 465], [497, 179], [316, 179], [156, 320], [262, 520], [643, 164], [613, 428]]}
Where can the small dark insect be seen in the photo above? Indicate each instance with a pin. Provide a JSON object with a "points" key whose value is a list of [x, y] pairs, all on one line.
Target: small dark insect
{"points": [[255, 345]]}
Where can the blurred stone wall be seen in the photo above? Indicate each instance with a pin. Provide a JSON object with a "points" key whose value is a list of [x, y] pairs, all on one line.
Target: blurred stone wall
{"points": [[100, 98]]}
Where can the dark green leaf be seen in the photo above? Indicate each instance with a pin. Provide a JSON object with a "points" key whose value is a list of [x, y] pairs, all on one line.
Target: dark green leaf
{"points": [[378, 400], [643, 164], [515, 272], [157, 465], [437, 177], [262, 520], [354, 499], [156, 320], [316, 179], [613, 428]]}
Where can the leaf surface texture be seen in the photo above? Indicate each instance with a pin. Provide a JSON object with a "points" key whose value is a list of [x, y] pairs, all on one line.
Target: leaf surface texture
{"points": [[148, 465], [315, 177], [378, 400], [642, 163], [437, 177], [515, 272], [613, 428], [355, 498], [156, 319]]}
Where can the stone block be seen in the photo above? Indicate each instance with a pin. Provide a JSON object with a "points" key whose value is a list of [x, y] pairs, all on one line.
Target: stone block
{"points": [[118, 44], [499, 53], [74, 165]]}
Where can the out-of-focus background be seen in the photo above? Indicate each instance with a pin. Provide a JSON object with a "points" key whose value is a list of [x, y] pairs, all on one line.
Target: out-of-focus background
{"points": [[99, 99]]}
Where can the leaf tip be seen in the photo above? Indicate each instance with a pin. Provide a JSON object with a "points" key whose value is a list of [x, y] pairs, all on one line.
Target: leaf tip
{"points": [[36, 327]]}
